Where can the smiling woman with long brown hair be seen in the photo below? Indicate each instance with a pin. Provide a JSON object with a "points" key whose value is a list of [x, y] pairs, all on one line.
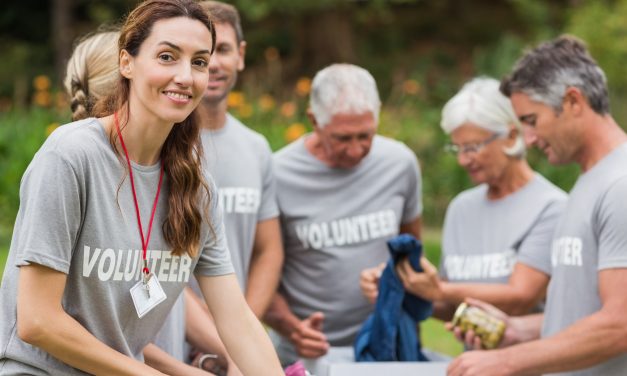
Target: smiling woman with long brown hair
{"points": [[116, 215]]}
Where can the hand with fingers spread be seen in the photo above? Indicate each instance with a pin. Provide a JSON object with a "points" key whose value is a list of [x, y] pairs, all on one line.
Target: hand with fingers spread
{"points": [[425, 284], [308, 338], [369, 282]]}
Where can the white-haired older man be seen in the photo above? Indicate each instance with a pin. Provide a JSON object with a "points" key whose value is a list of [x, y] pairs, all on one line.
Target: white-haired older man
{"points": [[343, 191]]}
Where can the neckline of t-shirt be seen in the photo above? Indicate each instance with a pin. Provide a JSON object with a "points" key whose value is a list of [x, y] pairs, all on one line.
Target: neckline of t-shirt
{"points": [[220, 131], [520, 191], [135, 166], [599, 166]]}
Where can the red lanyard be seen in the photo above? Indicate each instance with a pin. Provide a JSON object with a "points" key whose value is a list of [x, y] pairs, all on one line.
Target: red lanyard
{"points": [[145, 270]]}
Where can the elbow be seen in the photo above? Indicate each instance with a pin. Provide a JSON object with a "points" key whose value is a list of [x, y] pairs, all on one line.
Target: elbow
{"points": [[32, 328], [29, 331], [619, 330]]}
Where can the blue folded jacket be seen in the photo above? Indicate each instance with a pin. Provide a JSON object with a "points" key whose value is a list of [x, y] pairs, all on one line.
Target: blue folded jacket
{"points": [[391, 333]]}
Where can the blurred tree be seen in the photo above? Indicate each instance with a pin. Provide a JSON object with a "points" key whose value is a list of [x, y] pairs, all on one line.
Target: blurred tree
{"points": [[62, 19], [23, 40], [391, 37], [603, 25], [37, 37]]}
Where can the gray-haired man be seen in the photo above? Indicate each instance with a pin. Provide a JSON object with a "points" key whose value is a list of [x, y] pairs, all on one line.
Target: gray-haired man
{"points": [[343, 192], [560, 94]]}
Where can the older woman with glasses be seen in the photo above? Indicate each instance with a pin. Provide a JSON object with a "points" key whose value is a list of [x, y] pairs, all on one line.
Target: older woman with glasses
{"points": [[496, 242]]}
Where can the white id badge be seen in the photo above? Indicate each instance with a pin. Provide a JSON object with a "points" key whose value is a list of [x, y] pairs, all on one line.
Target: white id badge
{"points": [[146, 297]]}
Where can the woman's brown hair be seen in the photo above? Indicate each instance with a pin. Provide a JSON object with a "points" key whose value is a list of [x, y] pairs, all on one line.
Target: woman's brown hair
{"points": [[181, 154]]}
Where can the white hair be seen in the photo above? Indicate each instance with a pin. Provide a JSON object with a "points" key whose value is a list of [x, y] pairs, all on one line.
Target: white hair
{"points": [[481, 103], [343, 89]]}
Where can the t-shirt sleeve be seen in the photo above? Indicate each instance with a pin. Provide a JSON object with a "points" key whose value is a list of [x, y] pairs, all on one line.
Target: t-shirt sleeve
{"points": [[535, 249], [214, 258], [413, 204], [268, 207], [612, 227], [49, 217]]}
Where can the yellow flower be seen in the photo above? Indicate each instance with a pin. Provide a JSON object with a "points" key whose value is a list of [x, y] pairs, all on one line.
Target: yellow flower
{"points": [[411, 87], [41, 83], [245, 111], [42, 98], [288, 109], [294, 131], [266, 102], [51, 127], [235, 99], [271, 54], [303, 86]]}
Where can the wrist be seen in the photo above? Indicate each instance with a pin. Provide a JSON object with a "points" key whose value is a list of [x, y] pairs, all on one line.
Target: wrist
{"points": [[509, 361], [287, 326], [444, 292], [523, 328], [211, 363]]}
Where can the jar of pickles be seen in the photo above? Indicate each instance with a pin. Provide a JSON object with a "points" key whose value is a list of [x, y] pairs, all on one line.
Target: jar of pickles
{"points": [[488, 328]]}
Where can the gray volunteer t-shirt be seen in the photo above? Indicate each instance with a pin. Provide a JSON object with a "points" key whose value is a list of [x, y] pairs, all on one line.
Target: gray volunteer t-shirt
{"points": [[483, 239], [73, 219], [171, 336], [591, 236], [240, 161], [336, 223]]}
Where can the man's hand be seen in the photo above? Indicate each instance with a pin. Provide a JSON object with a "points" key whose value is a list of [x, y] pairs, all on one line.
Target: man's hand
{"points": [[479, 363], [369, 282], [514, 327], [308, 338], [425, 285]]}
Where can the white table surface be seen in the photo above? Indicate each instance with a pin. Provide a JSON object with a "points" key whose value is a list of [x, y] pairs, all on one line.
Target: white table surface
{"points": [[389, 369]]}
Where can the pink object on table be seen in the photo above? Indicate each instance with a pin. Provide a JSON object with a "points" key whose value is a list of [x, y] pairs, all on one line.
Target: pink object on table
{"points": [[296, 369]]}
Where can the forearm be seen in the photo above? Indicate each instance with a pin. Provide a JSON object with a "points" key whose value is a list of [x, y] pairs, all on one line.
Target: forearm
{"points": [[239, 334], [590, 341], [67, 340], [263, 279], [279, 316], [164, 362], [200, 329], [509, 299], [42, 322], [413, 228], [265, 266], [525, 287], [243, 335], [443, 310], [522, 329]]}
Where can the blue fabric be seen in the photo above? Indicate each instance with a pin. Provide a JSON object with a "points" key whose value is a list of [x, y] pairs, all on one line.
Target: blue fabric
{"points": [[391, 333]]}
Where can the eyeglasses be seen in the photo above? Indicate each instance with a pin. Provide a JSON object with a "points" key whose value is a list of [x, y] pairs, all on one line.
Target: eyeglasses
{"points": [[471, 148]]}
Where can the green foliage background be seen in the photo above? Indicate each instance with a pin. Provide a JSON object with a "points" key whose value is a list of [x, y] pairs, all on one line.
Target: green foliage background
{"points": [[433, 45], [419, 51]]}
